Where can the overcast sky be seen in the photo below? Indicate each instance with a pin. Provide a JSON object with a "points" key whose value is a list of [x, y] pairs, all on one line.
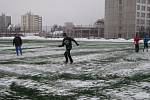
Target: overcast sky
{"points": [[55, 11]]}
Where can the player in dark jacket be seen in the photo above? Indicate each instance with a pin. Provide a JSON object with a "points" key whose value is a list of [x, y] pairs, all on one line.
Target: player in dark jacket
{"points": [[67, 41], [17, 42]]}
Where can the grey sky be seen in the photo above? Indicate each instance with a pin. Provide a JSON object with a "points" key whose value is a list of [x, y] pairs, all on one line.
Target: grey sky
{"points": [[55, 11]]}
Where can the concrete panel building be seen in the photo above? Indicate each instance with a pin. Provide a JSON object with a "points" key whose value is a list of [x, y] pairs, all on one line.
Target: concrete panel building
{"points": [[5, 21], [125, 18], [31, 23]]}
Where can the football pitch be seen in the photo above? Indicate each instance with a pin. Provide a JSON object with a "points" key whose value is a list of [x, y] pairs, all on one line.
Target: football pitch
{"points": [[101, 71]]}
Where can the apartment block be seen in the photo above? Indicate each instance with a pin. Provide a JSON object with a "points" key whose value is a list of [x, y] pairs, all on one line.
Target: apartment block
{"points": [[5, 21], [125, 18], [31, 23]]}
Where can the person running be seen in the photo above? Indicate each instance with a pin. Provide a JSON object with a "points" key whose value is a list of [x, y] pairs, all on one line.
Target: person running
{"points": [[17, 42], [67, 41], [145, 40], [136, 42]]}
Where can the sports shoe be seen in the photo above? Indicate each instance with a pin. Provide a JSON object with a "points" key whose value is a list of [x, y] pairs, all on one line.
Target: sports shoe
{"points": [[65, 62], [71, 62]]}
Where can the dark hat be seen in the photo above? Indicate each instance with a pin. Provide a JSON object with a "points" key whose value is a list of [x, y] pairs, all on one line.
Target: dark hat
{"points": [[16, 34], [64, 34]]}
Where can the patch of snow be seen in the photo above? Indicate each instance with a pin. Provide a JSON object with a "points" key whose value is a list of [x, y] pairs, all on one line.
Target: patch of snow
{"points": [[142, 96], [88, 98], [78, 39], [82, 84]]}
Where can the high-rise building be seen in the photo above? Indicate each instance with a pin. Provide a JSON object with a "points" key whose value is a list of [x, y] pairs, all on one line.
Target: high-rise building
{"points": [[125, 18], [31, 23], [5, 21]]}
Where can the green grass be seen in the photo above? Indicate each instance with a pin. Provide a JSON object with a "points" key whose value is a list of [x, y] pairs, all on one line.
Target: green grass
{"points": [[114, 81], [34, 94]]}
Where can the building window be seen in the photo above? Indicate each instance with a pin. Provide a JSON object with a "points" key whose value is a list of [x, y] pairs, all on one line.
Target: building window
{"points": [[148, 8], [142, 14], [142, 28], [138, 28], [138, 7], [148, 22], [138, 21], [143, 8], [138, 14], [120, 2], [148, 1], [143, 1], [138, 1], [142, 21], [148, 15]]}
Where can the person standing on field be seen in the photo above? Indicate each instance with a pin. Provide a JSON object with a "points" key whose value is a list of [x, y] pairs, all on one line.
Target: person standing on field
{"points": [[67, 41], [17, 42], [136, 42], [145, 40]]}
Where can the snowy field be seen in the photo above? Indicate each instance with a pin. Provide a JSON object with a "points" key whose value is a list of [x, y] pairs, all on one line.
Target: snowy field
{"points": [[101, 71]]}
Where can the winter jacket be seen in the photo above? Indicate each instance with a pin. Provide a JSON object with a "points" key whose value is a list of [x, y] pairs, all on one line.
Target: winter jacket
{"points": [[146, 39], [136, 39], [17, 41], [67, 41]]}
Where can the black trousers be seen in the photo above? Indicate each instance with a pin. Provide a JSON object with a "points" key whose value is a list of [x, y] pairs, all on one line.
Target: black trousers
{"points": [[136, 47], [68, 55], [145, 46]]}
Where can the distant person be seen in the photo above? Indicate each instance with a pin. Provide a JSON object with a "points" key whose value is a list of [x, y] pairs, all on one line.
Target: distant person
{"points": [[145, 40], [136, 42], [17, 42], [67, 41]]}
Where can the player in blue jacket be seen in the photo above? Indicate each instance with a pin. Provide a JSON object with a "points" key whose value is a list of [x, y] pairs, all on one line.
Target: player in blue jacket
{"points": [[145, 40], [17, 42]]}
